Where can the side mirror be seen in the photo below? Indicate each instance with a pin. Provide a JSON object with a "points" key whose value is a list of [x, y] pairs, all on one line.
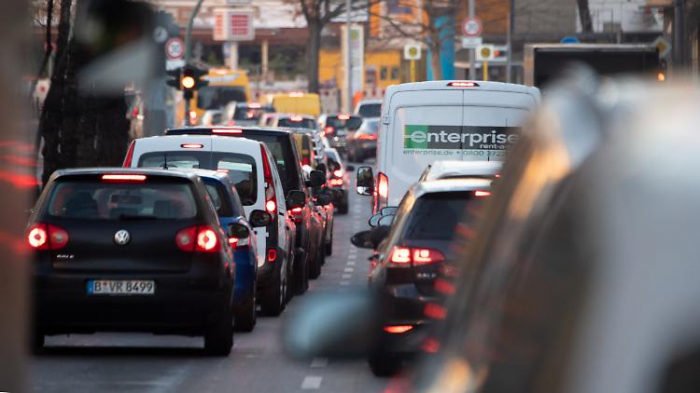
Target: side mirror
{"points": [[317, 178], [389, 211], [238, 231], [374, 220], [296, 198], [362, 240], [386, 221], [260, 218], [365, 181]]}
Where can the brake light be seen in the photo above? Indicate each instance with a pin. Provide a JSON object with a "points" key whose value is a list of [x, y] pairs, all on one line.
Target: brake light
{"points": [[193, 117], [296, 211], [271, 255], [296, 214], [405, 256], [47, 237], [336, 182], [296, 118], [328, 130], [225, 131], [129, 155], [401, 255], [231, 123], [199, 239], [383, 187], [338, 173], [238, 242], [191, 146], [482, 194], [463, 84], [398, 329], [254, 105], [367, 137], [343, 117], [270, 195], [124, 178]]}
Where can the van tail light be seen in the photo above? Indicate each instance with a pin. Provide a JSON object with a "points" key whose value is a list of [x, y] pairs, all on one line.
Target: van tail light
{"points": [[296, 214], [129, 155], [270, 194], [407, 256], [381, 194], [329, 130], [398, 329], [271, 255], [482, 194], [198, 239], [236, 242], [47, 237]]}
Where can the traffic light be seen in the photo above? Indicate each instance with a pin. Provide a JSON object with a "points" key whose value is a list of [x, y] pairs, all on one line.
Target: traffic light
{"points": [[191, 79], [173, 78]]}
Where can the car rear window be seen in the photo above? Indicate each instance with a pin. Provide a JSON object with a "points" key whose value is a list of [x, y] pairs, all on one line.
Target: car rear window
{"points": [[352, 123], [370, 110], [301, 123], [247, 113], [435, 215], [240, 168], [99, 200], [281, 149], [370, 127]]}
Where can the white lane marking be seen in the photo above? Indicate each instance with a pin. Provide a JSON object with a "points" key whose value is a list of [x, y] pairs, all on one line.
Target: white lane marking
{"points": [[351, 263], [349, 269], [346, 276], [311, 382], [352, 255], [345, 283], [319, 362]]}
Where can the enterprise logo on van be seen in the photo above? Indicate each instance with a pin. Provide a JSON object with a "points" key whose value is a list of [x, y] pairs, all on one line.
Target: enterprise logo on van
{"points": [[460, 137]]}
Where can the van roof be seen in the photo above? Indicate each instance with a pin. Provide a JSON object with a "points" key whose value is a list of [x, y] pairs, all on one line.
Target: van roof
{"points": [[450, 185], [445, 85], [240, 141], [120, 171]]}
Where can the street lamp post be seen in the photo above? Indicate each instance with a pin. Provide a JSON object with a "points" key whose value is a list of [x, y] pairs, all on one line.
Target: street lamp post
{"points": [[188, 49], [472, 51]]}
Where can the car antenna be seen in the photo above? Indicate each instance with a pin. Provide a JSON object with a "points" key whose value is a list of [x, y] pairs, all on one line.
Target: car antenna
{"points": [[165, 160]]}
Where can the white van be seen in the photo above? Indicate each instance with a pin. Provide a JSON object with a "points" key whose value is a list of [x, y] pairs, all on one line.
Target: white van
{"points": [[250, 165], [434, 121]]}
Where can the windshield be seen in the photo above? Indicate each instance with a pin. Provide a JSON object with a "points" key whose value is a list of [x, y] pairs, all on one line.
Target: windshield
{"points": [[240, 168], [435, 215], [215, 97], [370, 110], [352, 123], [290, 122], [247, 113], [94, 200]]}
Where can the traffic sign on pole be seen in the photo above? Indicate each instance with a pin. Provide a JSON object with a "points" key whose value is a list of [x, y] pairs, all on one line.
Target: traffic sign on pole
{"points": [[484, 52], [175, 49], [472, 27], [412, 52], [472, 42]]}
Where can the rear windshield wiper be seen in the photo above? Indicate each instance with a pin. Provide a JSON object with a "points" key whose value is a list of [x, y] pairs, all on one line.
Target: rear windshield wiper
{"points": [[128, 217]]}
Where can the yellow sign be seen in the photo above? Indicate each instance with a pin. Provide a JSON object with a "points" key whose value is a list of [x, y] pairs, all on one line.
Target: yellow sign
{"points": [[485, 52]]}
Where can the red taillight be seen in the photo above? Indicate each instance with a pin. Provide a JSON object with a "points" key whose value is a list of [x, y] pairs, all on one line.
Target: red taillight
{"points": [[47, 237], [231, 123], [463, 84], [271, 255], [124, 178], [336, 182], [201, 239], [191, 145], [397, 329], [227, 132], [401, 255], [305, 161], [254, 105], [296, 211], [329, 130], [296, 119], [270, 195], [405, 256], [129, 155], [237, 242], [343, 117], [367, 137], [338, 173], [482, 194], [296, 214], [383, 187]]}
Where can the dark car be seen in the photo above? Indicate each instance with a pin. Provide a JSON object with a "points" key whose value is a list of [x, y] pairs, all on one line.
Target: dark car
{"points": [[282, 146], [410, 259], [232, 215], [362, 144], [338, 179], [336, 127], [131, 250], [244, 113]]}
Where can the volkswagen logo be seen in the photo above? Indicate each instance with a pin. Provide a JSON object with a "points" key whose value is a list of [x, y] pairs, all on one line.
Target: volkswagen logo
{"points": [[122, 237]]}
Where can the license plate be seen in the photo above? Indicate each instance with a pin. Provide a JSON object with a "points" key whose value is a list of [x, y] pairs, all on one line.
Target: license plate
{"points": [[121, 287]]}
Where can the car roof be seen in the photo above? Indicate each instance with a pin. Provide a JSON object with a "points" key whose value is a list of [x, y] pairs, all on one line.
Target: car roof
{"points": [[450, 185], [463, 168], [220, 138], [119, 171]]}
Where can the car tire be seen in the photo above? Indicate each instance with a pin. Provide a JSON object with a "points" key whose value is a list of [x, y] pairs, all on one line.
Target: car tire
{"points": [[273, 301], [384, 364], [218, 338], [319, 260], [246, 316], [301, 274]]}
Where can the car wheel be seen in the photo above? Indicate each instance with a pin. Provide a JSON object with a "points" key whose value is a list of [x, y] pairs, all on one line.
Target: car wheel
{"points": [[273, 300], [246, 316], [384, 365], [289, 279], [301, 274], [315, 269], [218, 339]]}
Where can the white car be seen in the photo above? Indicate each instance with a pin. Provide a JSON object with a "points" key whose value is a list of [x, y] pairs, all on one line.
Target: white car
{"points": [[462, 169], [283, 120], [252, 169], [426, 122]]}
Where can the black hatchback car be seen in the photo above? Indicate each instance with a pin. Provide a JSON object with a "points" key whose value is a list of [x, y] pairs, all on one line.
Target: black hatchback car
{"points": [[131, 250]]}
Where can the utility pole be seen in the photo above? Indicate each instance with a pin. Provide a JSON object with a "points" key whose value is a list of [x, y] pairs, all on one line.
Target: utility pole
{"points": [[348, 62], [678, 35], [188, 50], [511, 29], [472, 51]]}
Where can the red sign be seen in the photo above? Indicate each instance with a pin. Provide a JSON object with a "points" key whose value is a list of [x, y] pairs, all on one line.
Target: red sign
{"points": [[472, 27], [233, 25]]}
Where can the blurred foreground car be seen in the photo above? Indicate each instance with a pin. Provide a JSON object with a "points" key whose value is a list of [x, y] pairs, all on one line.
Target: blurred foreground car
{"points": [[406, 271], [583, 276], [131, 250]]}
